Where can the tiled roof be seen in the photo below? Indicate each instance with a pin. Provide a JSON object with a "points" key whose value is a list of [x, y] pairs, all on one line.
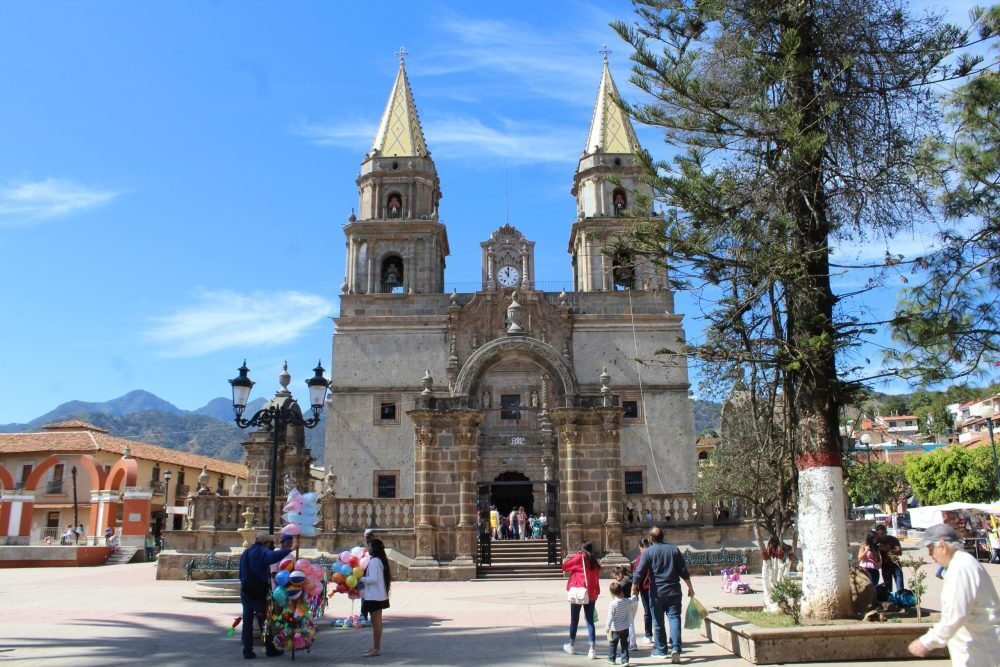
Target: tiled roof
{"points": [[73, 425], [86, 438]]}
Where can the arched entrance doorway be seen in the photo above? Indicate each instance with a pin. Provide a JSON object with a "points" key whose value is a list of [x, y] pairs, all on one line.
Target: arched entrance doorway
{"points": [[510, 490]]}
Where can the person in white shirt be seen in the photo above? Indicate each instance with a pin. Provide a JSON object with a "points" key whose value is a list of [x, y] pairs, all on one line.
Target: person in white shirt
{"points": [[375, 596], [970, 607]]}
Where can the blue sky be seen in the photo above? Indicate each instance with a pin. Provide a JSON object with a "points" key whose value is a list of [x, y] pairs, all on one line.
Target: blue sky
{"points": [[174, 176]]}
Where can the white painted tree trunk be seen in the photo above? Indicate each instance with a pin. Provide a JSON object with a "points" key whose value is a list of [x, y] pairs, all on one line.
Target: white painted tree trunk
{"points": [[826, 586], [773, 570]]}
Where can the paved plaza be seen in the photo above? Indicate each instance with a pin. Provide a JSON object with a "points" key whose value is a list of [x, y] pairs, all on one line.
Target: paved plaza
{"points": [[120, 615]]}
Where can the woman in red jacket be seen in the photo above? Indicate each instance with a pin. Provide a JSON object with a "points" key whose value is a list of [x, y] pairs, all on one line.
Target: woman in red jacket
{"points": [[584, 572]]}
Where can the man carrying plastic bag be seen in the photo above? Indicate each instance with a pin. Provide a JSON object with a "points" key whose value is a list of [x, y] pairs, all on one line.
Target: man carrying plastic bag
{"points": [[694, 615], [666, 568]]}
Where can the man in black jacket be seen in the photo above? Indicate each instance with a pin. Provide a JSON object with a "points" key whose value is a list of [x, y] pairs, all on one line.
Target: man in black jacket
{"points": [[255, 584], [666, 567]]}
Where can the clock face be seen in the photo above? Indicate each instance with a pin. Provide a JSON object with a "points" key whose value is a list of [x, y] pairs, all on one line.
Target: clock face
{"points": [[508, 276]]}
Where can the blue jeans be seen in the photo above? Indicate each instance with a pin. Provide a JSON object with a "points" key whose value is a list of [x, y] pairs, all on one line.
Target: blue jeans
{"points": [[647, 616], [588, 617], [893, 573], [250, 610], [671, 606]]}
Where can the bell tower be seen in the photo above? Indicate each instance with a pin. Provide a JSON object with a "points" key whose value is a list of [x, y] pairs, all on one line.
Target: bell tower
{"points": [[605, 185], [395, 243]]}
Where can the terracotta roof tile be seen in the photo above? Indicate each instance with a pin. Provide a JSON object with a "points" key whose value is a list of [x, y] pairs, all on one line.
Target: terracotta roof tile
{"points": [[66, 439]]}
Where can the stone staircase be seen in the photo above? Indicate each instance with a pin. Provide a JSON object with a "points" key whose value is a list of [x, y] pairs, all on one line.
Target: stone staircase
{"points": [[123, 555], [516, 560]]}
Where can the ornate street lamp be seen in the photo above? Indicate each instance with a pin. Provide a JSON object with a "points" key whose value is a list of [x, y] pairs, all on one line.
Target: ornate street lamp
{"points": [[275, 416], [166, 497]]}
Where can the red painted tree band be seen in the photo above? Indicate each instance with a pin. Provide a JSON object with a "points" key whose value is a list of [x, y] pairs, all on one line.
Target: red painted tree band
{"points": [[818, 460]]}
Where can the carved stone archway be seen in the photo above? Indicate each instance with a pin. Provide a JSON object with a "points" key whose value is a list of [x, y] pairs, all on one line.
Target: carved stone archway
{"points": [[491, 353]]}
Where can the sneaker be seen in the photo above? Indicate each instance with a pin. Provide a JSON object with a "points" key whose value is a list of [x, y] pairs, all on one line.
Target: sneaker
{"points": [[623, 663], [633, 647], [592, 654], [647, 639], [611, 661], [675, 657], [657, 654], [569, 649]]}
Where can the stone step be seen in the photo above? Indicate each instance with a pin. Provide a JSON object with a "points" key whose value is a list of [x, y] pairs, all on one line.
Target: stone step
{"points": [[123, 555]]}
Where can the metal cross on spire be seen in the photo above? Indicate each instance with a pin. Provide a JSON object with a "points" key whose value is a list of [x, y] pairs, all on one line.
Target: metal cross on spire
{"points": [[401, 54], [605, 51]]}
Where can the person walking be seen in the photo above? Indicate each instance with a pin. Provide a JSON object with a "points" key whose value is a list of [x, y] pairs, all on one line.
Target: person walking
{"points": [[522, 521], [643, 588], [584, 573], [514, 528], [665, 566], [970, 607], [495, 522], [375, 596], [255, 576], [150, 545], [618, 622]]}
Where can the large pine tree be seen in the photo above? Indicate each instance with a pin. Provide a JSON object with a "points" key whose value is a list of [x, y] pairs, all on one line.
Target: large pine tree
{"points": [[797, 123]]}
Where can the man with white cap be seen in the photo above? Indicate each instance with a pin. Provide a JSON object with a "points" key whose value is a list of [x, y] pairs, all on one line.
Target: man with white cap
{"points": [[970, 607]]}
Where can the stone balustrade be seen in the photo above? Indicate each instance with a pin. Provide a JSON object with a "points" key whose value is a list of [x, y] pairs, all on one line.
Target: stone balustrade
{"points": [[224, 513], [680, 509]]}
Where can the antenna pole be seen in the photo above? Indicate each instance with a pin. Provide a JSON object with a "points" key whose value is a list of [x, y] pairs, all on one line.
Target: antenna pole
{"points": [[506, 197]]}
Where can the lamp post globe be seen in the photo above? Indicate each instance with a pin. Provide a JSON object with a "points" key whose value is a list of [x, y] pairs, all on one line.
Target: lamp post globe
{"points": [[275, 415]]}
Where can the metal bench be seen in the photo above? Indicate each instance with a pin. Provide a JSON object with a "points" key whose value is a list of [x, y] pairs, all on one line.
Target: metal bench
{"points": [[717, 559], [232, 563]]}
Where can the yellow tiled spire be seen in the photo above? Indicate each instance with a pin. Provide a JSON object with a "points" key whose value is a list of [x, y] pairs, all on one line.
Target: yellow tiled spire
{"points": [[610, 129], [399, 133]]}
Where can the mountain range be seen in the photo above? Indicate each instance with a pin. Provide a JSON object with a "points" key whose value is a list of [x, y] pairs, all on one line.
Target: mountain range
{"points": [[208, 430]]}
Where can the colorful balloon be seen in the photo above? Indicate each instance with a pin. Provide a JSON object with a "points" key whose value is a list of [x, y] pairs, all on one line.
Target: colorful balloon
{"points": [[352, 581], [281, 578], [357, 572], [297, 577], [357, 552], [364, 561], [280, 596], [287, 564], [345, 556]]}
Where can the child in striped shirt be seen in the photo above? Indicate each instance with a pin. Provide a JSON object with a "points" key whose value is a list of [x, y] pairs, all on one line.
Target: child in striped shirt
{"points": [[617, 622]]}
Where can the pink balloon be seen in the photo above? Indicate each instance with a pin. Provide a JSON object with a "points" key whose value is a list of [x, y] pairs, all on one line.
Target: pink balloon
{"points": [[345, 557], [291, 529], [302, 564], [364, 561]]}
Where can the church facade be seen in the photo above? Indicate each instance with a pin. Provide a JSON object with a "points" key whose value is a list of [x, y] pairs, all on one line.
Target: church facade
{"points": [[508, 395]]}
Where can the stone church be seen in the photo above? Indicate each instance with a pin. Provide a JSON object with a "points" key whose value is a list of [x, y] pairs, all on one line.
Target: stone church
{"points": [[508, 395]]}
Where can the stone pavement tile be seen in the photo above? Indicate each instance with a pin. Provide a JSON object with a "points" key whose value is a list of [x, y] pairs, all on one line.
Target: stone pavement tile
{"points": [[119, 615]]}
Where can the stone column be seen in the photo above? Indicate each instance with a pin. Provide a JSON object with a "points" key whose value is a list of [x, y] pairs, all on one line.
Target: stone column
{"points": [[613, 525], [21, 504], [425, 439], [466, 435], [135, 516]]}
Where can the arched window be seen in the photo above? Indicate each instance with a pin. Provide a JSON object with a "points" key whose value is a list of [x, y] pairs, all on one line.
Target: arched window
{"points": [[394, 205], [619, 202], [623, 271], [391, 275]]}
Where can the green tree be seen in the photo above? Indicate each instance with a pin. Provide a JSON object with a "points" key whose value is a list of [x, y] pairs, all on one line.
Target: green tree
{"points": [[950, 323], [798, 123], [875, 483], [953, 474]]}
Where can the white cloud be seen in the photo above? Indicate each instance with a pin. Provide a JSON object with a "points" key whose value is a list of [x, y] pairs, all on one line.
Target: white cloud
{"points": [[224, 319], [463, 137], [21, 203]]}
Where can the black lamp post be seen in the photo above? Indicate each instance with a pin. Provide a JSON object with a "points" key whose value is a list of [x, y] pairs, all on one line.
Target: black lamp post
{"points": [[76, 517], [275, 416], [166, 497], [987, 412]]}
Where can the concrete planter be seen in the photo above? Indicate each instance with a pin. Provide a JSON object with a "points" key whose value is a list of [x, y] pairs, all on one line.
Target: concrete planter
{"points": [[875, 642]]}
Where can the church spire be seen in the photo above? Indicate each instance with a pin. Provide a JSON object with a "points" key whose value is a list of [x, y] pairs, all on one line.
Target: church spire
{"points": [[610, 129], [399, 133]]}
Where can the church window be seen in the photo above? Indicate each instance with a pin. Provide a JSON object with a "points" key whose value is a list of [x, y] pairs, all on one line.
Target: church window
{"points": [[391, 275], [631, 409], [633, 482], [386, 410], [619, 201], [510, 406], [394, 205], [386, 484], [623, 271], [26, 473], [156, 474]]}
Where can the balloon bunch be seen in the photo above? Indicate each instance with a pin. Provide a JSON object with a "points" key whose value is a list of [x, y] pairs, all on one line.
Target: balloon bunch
{"points": [[299, 584], [356, 621], [348, 570], [301, 514]]}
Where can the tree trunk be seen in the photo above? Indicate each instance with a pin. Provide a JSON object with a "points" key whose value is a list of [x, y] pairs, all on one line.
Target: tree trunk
{"points": [[826, 585]]}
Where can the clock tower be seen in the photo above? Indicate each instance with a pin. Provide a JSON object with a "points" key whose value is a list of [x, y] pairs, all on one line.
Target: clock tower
{"points": [[508, 260]]}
